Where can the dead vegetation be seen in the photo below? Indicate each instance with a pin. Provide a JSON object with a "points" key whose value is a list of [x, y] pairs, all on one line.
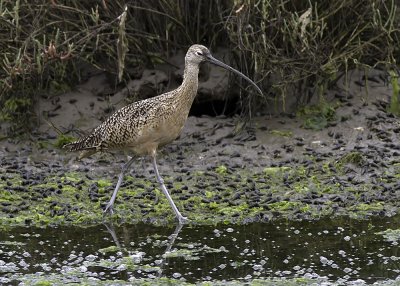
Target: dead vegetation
{"points": [[283, 45]]}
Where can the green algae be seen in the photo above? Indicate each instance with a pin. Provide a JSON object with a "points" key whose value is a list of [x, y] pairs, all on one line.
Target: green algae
{"points": [[275, 170], [63, 139], [43, 283], [221, 169], [111, 248], [364, 207], [317, 117], [43, 279], [205, 197], [191, 252], [284, 206], [390, 235], [355, 158], [282, 133]]}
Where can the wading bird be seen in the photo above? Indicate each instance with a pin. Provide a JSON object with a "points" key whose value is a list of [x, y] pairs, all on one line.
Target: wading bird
{"points": [[144, 126]]}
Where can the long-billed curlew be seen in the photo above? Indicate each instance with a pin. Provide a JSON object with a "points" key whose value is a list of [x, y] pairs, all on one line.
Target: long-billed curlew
{"points": [[144, 126]]}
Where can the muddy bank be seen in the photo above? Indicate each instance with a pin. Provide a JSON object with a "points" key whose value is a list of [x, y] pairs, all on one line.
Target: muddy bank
{"points": [[273, 168]]}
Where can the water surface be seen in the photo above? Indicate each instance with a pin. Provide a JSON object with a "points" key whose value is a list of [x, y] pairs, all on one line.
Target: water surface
{"points": [[338, 250]]}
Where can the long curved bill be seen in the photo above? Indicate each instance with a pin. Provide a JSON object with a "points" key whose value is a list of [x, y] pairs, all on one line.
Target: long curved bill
{"points": [[216, 62]]}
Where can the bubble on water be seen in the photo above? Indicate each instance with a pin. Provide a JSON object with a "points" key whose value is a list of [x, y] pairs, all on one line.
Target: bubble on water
{"points": [[137, 257], [347, 270], [26, 254], [358, 282], [4, 280], [72, 256], [229, 229], [257, 267], [67, 269], [122, 267], [347, 238], [296, 231], [23, 264], [307, 275], [83, 268], [323, 259], [91, 257], [176, 275]]}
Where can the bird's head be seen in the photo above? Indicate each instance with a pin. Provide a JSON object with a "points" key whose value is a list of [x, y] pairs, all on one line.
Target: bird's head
{"points": [[198, 54]]}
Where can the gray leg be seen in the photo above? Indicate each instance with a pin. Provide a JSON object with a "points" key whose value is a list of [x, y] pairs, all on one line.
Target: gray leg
{"points": [[160, 180], [109, 206]]}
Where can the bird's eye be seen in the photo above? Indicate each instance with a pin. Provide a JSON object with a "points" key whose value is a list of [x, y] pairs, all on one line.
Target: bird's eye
{"points": [[199, 53]]}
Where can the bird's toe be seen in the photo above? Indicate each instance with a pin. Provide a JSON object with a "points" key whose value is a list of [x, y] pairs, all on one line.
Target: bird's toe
{"points": [[108, 209], [183, 220]]}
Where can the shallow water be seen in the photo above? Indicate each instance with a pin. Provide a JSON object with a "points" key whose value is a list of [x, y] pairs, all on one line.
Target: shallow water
{"points": [[340, 250]]}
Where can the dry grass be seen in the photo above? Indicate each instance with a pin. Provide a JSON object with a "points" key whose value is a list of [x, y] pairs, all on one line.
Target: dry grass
{"points": [[282, 44], [306, 45]]}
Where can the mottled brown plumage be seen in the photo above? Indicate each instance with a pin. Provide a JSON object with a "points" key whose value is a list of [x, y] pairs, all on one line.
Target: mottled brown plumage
{"points": [[144, 126]]}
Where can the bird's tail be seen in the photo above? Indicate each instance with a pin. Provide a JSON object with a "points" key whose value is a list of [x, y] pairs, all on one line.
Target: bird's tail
{"points": [[89, 142], [86, 144], [76, 146]]}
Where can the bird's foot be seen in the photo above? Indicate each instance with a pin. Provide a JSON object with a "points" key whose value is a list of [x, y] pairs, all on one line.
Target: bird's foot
{"points": [[108, 209], [183, 219]]}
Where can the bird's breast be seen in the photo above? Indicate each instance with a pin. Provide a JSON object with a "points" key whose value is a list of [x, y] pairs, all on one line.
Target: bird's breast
{"points": [[157, 134]]}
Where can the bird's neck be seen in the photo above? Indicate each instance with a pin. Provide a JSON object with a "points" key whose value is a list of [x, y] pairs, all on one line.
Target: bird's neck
{"points": [[190, 83]]}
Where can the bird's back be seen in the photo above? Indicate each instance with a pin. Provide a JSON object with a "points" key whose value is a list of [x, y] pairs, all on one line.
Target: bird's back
{"points": [[139, 126]]}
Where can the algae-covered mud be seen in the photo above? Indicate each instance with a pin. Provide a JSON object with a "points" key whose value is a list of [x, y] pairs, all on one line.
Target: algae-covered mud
{"points": [[329, 252], [257, 197], [338, 157]]}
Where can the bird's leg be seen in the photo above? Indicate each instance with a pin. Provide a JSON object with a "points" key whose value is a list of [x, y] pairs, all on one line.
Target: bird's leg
{"points": [[109, 206], [160, 180]]}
